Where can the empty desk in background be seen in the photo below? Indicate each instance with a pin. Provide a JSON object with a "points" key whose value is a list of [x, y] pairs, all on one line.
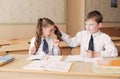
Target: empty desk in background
{"points": [[117, 44], [65, 49], [115, 39], [4, 42], [78, 70], [15, 48]]}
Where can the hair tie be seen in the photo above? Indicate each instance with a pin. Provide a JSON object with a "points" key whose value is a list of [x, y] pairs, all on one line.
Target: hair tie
{"points": [[41, 19]]}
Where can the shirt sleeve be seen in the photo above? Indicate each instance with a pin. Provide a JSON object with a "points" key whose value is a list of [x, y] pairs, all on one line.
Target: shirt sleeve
{"points": [[31, 44], [72, 42], [110, 49], [56, 51]]}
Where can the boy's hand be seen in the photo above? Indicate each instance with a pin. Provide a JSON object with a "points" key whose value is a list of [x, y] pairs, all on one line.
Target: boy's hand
{"points": [[92, 54], [89, 53]]}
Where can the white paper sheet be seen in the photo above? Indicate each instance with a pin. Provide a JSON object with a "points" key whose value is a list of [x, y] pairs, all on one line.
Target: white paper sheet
{"points": [[54, 58], [35, 65], [72, 58], [36, 57], [59, 66]]}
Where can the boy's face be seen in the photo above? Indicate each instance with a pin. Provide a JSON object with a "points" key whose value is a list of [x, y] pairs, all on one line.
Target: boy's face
{"points": [[92, 26], [47, 31]]}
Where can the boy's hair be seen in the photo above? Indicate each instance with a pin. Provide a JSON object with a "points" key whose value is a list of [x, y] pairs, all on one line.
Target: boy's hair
{"points": [[96, 15]]}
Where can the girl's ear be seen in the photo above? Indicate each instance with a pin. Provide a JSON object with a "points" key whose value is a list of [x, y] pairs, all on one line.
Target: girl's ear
{"points": [[100, 25]]}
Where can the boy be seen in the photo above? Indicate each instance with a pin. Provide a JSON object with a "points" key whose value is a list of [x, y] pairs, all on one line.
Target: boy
{"points": [[92, 41]]}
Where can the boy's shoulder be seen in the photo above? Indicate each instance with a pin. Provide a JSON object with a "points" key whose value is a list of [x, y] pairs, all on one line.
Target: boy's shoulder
{"points": [[82, 32], [104, 34]]}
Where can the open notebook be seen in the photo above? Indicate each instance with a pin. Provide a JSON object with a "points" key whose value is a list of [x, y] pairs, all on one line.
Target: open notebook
{"points": [[5, 59], [52, 63]]}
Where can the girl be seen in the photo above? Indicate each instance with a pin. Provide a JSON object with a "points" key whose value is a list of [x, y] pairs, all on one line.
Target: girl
{"points": [[44, 42]]}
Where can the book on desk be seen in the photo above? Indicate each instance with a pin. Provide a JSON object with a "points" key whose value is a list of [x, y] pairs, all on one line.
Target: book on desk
{"points": [[52, 63], [5, 59], [107, 66]]}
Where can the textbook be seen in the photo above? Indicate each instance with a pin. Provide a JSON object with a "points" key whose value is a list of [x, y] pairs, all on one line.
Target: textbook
{"points": [[5, 59], [107, 66]]}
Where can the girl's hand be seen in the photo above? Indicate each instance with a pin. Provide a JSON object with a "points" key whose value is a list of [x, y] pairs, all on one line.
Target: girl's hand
{"points": [[56, 42], [32, 50]]}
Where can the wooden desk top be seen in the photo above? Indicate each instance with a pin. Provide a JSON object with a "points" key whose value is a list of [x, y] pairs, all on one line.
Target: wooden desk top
{"points": [[63, 44], [115, 38], [4, 42], [117, 44], [77, 69], [15, 47]]}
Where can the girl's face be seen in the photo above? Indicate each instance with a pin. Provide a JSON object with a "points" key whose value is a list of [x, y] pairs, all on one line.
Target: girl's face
{"points": [[92, 26], [47, 31]]}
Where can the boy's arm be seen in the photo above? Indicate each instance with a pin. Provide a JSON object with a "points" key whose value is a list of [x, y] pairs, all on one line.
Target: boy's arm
{"points": [[110, 49], [72, 42]]}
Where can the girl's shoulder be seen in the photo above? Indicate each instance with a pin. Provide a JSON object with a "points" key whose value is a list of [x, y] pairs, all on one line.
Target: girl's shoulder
{"points": [[33, 39]]}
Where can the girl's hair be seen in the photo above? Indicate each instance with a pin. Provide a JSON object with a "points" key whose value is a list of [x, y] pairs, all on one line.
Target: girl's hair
{"points": [[43, 22]]}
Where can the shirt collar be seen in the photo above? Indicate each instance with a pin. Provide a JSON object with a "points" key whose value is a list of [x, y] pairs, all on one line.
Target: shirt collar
{"points": [[48, 38], [95, 34]]}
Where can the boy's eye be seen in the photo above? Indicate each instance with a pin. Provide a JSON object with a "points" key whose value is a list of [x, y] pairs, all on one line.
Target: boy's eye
{"points": [[91, 24]]}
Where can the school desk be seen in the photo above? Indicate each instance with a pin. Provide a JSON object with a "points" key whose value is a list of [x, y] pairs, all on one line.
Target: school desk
{"points": [[115, 39], [15, 48], [65, 49], [19, 41], [79, 70], [4, 42], [117, 44]]}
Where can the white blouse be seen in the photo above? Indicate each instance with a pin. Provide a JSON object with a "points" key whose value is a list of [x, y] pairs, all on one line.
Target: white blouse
{"points": [[52, 49]]}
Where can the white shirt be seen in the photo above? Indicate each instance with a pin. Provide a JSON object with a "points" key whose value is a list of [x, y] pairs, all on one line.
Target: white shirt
{"points": [[52, 50], [102, 43]]}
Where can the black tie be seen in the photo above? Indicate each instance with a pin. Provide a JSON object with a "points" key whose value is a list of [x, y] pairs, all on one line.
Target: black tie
{"points": [[45, 47], [91, 44]]}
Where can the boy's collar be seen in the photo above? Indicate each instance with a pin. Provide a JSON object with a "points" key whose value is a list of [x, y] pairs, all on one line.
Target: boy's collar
{"points": [[94, 34]]}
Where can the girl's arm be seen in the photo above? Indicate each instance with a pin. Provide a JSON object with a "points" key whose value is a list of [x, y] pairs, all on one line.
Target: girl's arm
{"points": [[32, 48], [56, 49]]}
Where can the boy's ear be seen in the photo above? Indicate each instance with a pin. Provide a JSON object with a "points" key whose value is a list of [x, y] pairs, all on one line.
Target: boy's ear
{"points": [[100, 25]]}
